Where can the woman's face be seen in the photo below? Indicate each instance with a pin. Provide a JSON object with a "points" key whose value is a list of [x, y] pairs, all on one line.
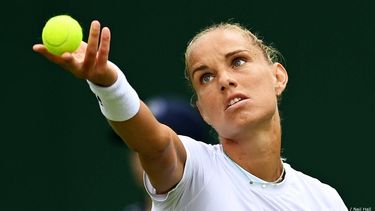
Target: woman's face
{"points": [[236, 86]]}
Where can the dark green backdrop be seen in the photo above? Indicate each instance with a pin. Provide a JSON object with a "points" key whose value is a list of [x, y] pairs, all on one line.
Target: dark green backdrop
{"points": [[57, 152]]}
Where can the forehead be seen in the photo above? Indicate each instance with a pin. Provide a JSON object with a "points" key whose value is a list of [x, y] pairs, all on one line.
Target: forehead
{"points": [[220, 42]]}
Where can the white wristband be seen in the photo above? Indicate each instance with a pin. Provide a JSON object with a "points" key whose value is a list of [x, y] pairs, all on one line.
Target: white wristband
{"points": [[118, 102]]}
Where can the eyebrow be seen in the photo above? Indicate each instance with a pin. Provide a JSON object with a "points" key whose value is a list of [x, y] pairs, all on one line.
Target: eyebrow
{"points": [[197, 69], [235, 52], [202, 67]]}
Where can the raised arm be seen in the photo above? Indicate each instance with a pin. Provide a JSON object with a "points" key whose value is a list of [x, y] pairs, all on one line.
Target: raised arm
{"points": [[161, 153]]}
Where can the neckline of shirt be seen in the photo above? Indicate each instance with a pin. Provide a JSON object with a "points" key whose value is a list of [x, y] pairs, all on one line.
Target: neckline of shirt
{"points": [[254, 180]]}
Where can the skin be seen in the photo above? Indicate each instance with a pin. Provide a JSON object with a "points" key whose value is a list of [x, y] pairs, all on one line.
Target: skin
{"points": [[249, 130], [224, 64]]}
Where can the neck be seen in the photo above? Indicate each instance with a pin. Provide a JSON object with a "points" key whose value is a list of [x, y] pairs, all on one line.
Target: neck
{"points": [[258, 150]]}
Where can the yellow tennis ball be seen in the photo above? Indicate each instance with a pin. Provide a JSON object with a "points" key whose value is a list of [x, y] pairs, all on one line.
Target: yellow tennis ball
{"points": [[62, 34]]}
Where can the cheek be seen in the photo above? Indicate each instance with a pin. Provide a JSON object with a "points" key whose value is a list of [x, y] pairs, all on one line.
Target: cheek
{"points": [[265, 89], [203, 103], [263, 84], [208, 106], [265, 95]]}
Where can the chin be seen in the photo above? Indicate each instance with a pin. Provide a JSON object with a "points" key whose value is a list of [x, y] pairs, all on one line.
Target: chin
{"points": [[248, 121]]}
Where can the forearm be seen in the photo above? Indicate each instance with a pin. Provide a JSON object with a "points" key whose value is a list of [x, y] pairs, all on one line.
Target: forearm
{"points": [[143, 133], [130, 117]]}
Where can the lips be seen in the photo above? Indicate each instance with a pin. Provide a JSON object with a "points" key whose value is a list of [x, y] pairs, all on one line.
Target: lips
{"points": [[233, 99]]}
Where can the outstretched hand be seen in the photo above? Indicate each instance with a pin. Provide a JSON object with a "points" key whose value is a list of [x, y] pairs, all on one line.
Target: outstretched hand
{"points": [[90, 60]]}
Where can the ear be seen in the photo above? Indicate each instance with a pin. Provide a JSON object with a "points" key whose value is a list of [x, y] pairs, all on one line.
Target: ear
{"points": [[201, 111], [281, 78]]}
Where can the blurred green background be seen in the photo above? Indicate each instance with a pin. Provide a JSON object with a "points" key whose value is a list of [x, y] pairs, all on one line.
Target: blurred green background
{"points": [[57, 151]]}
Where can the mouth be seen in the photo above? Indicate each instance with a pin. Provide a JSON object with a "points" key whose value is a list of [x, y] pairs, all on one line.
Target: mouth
{"points": [[234, 100]]}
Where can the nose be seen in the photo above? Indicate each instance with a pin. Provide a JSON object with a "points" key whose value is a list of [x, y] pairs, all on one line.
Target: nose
{"points": [[226, 80]]}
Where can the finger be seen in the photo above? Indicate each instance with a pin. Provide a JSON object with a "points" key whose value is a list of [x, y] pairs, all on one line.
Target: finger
{"points": [[92, 45], [104, 47], [75, 58], [38, 48], [41, 49], [68, 58]]}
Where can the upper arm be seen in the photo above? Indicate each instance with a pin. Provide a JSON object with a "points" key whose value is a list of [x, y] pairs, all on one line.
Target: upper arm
{"points": [[160, 151]]}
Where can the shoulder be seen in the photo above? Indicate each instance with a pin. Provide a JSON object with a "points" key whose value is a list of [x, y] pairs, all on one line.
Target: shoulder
{"points": [[314, 186], [309, 180], [198, 170], [193, 146]]}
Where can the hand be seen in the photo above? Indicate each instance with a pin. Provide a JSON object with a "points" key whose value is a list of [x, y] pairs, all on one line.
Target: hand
{"points": [[90, 60]]}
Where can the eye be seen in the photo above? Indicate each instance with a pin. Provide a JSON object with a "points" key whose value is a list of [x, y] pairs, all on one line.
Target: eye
{"points": [[238, 62], [205, 78]]}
